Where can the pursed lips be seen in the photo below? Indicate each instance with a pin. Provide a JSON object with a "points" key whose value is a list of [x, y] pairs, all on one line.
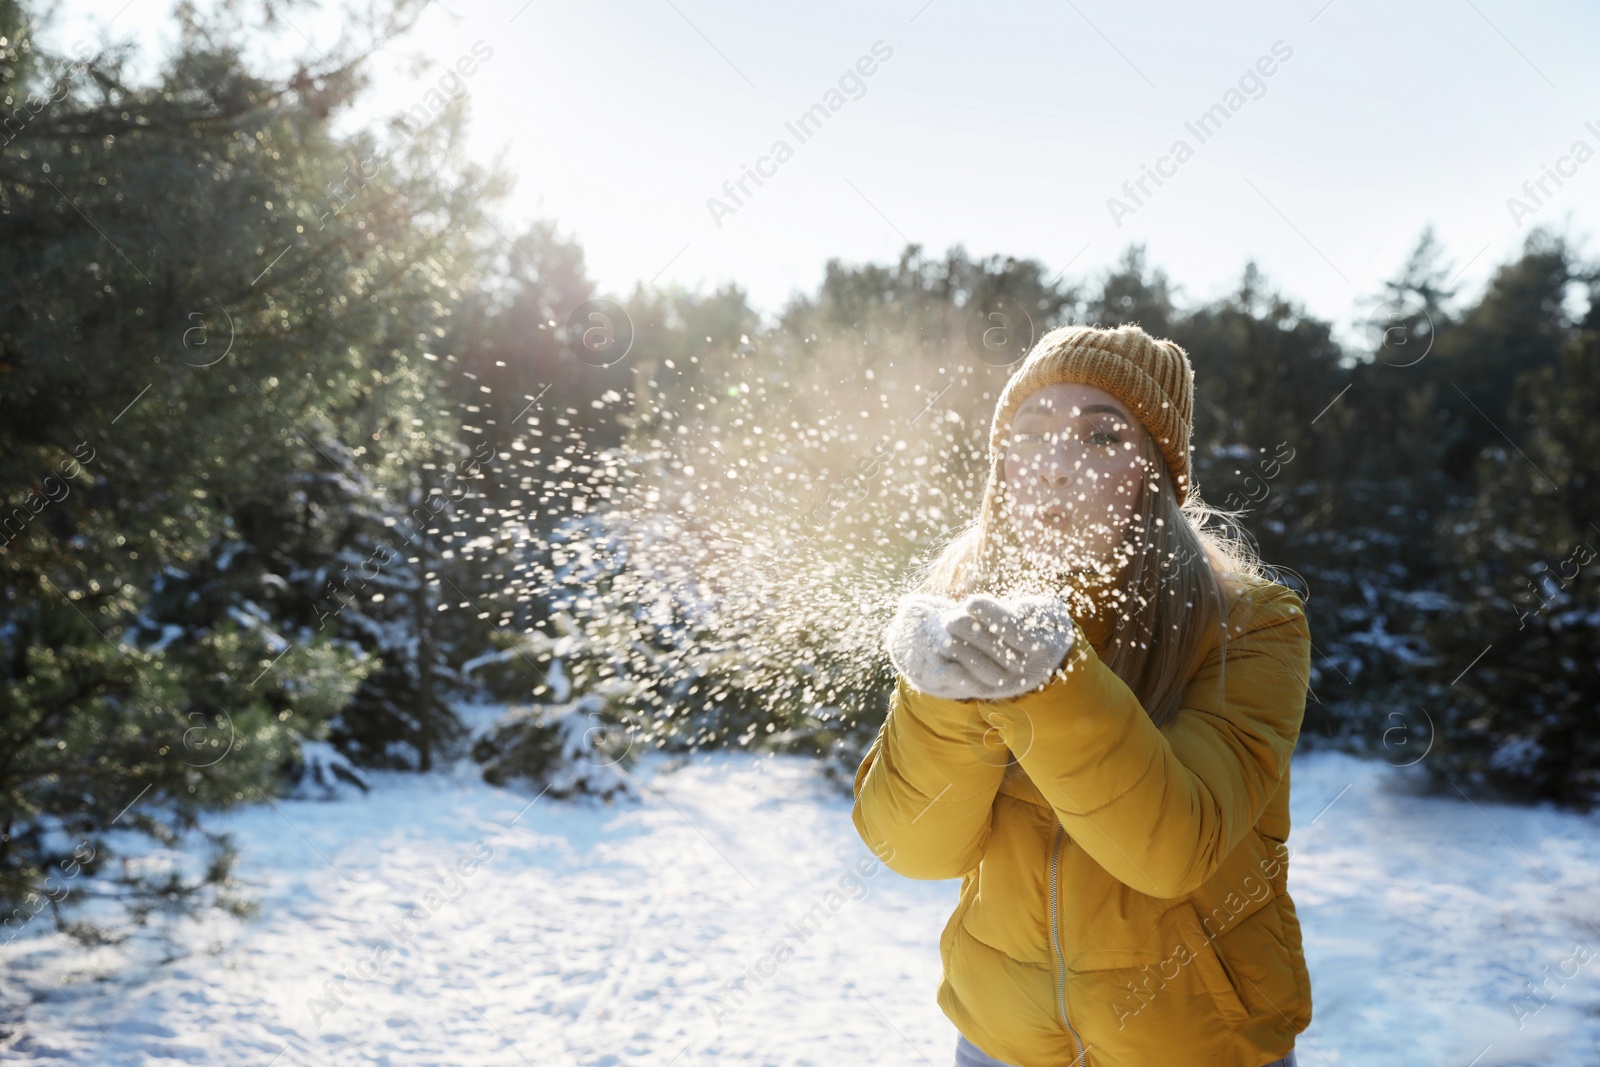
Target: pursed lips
{"points": [[1053, 513]]}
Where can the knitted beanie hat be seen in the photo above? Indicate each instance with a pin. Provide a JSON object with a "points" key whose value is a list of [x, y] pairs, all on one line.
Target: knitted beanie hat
{"points": [[1151, 376]]}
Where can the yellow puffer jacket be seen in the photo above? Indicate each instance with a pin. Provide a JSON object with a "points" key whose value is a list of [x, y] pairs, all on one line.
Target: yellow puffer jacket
{"points": [[1124, 895]]}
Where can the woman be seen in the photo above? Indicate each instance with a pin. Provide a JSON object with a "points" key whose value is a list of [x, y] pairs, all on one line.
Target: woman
{"points": [[1095, 704]]}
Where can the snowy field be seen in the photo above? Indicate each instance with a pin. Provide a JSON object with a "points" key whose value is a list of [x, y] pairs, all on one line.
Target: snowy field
{"points": [[601, 936]]}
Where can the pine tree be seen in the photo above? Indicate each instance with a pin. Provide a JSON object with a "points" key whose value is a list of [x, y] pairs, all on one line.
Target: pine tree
{"points": [[1523, 718], [403, 591], [209, 345]]}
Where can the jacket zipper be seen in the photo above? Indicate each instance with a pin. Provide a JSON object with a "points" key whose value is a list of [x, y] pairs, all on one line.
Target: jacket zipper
{"points": [[1055, 941]]}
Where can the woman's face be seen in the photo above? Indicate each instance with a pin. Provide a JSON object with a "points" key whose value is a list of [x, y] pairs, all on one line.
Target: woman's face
{"points": [[1074, 472]]}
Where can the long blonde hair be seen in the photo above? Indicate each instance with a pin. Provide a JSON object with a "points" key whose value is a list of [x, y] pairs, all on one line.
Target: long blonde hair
{"points": [[1177, 582]]}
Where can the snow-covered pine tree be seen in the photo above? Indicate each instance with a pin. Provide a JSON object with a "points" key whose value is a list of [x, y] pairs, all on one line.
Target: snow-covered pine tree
{"points": [[401, 588]]}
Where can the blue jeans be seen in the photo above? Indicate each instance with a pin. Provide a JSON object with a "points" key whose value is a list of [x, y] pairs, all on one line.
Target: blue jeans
{"points": [[970, 1055]]}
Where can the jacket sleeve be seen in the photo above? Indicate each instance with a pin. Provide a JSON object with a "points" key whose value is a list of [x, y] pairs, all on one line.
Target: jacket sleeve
{"points": [[925, 789], [1161, 808]]}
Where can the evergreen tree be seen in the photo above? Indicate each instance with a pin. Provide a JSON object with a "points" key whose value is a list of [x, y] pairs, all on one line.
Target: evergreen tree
{"points": [[1520, 323], [1523, 718], [213, 341]]}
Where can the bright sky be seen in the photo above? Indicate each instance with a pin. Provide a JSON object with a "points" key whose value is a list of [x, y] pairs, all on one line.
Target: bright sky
{"points": [[1007, 127]]}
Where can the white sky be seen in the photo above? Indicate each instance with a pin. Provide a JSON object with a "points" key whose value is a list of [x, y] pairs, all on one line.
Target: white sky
{"points": [[1006, 126]]}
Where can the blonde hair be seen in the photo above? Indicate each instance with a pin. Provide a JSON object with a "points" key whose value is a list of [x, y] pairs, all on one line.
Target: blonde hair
{"points": [[1180, 577]]}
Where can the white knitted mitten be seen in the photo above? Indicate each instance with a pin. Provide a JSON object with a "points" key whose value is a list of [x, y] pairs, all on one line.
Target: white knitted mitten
{"points": [[983, 648], [918, 645], [1027, 636]]}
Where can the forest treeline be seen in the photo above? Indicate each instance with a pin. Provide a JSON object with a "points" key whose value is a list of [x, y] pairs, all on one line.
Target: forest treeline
{"points": [[289, 491]]}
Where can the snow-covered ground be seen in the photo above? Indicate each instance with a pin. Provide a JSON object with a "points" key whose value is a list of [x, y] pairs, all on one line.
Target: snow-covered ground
{"points": [[600, 936]]}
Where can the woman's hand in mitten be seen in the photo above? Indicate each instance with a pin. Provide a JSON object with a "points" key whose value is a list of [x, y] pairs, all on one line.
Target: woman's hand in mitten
{"points": [[933, 661], [1024, 639]]}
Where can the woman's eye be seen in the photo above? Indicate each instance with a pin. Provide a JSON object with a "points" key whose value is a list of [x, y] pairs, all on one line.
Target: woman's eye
{"points": [[1102, 438]]}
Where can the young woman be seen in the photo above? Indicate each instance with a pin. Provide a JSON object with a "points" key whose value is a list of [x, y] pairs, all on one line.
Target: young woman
{"points": [[1095, 704]]}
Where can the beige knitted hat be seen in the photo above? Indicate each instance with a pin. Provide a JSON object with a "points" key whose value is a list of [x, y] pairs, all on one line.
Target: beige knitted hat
{"points": [[1151, 376]]}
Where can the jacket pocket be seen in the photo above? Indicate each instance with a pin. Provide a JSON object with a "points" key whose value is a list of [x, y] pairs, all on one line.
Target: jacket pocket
{"points": [[1184, 922]]}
